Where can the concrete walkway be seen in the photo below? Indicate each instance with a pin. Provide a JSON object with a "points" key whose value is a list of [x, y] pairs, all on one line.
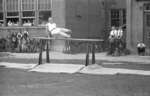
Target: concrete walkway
{"points": [[99, 56], [79, 68]]}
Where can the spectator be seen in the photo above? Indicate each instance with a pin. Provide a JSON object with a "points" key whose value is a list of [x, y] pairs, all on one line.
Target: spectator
{"points": [[111, 38], [141, 48], [119, 41], [9, 23]]}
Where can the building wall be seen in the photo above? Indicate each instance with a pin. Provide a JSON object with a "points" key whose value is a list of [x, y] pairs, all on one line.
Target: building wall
{"points": [[85, 17], [134, 23], [116, 3], [59, 16], [59, 12]]}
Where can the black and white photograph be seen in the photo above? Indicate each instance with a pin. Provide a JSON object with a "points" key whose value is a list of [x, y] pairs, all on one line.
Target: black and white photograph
{"points": [[74, 47]]}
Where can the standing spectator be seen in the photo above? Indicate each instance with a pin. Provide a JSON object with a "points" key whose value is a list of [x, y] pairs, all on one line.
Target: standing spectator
{"points": [[111, 38], [13, 38], [119, 41], [19, 38], [25, 34]]}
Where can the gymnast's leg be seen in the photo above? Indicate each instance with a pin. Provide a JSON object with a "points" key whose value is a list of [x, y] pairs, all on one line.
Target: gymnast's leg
{"points": [[64, 34], [58, 31], [65, 30]]}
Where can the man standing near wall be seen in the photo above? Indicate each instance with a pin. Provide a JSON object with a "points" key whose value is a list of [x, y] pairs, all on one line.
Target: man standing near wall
{"points": [[111, 38]]}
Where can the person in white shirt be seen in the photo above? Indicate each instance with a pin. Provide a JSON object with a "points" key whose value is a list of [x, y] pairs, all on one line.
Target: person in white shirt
{"points": [[113, 33], [112, 37], [119, 41], [119, 33], [52, 29]]}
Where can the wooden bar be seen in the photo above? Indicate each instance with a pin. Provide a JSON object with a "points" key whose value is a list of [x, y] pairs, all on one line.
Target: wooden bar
{"points": [[70, 39]]}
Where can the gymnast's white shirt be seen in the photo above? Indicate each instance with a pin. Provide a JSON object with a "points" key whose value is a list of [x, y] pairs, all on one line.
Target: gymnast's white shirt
{"points": [[51, 26]]}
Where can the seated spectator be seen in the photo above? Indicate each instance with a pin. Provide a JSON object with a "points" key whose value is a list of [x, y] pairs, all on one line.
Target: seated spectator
{"points": [[141, 48], [27, 23], [16, 23], [0, 24], [9, 23]]}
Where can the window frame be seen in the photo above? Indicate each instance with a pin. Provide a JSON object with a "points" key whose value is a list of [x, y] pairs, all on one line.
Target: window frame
{"points": [[121, 18]]}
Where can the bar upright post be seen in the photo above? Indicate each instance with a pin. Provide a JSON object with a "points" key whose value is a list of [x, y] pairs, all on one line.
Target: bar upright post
{"points": [[40, 54], [87, 56], [93, 53], [47, 52]]}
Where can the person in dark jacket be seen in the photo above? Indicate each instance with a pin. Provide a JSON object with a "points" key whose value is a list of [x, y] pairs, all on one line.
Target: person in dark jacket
{"points": [[141, 48]]}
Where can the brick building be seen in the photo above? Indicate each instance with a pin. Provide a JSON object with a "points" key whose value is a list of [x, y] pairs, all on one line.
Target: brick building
{"points": [[86, 18]]}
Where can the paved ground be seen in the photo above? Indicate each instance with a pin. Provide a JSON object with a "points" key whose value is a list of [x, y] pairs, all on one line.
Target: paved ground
{"points": [[20, 82], [57, 56], [16, 82]]}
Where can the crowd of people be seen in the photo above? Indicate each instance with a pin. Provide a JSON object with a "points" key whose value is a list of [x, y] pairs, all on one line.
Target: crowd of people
{"points": [[116, 42], [11, 23], [21, 42], [25, 23]]}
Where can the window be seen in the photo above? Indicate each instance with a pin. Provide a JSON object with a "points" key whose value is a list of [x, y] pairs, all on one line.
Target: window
{"points": [[124, 16], [118, 17], [1, 15], [115, 17], [28, 18], [24, 12], [148, 20], [9, 14], [28, 12], [44, 7], [43, 17], [12, 12], [147, 6], [1, 19]]}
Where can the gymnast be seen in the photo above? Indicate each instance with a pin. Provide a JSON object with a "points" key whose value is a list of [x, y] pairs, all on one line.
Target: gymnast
{"points": [[53, 30]]}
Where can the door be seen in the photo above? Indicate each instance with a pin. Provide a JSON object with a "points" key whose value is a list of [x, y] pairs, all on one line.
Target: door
{"points": [[147, 29]]}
